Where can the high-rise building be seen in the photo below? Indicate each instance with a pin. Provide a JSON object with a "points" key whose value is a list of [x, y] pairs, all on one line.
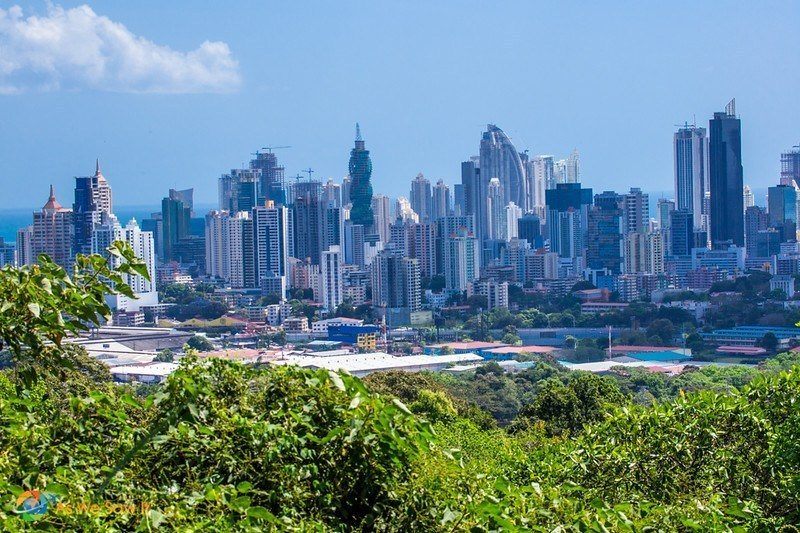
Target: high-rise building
{"points": [[496, 293], [332, 225], [332, 194], [513, 214], [7, 253], [395, 282], [331, 287], [53, 232], [755, 220], [644, 253], [690, 149], [567, 218], [470, 181], [353, 243], [404, 210], [271, 241], [461, 262], [218, 259], [271, 177], [604, 247], [655, 253], [361, 188], [529, 227], [495, 209], [790, 166], [238, 191], [24, 247], [399, 236], [422, 247], [665, 207], [141, 242], [381, 207], [92, 199], [749, 197], [636, 210], [175, 222], [726, 177], [347, 185], [573, 167], [307, 223], [421, 198], [459, 200], [448, 226], [559, 172], [541, 176], [500, 159], [681, 232], [441, 201], [782, 210]]}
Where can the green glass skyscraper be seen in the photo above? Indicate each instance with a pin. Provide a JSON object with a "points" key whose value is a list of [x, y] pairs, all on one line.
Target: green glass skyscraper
{"points": [[361, 188]]}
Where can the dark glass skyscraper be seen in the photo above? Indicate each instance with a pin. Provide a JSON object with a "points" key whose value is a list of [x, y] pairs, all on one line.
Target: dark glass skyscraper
{"points": [[681, 229], [726, 177], [604, 245], [361, 189], [782, 210]]}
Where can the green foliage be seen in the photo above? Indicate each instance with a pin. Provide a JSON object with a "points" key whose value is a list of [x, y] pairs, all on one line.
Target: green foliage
{"points": [[165, 356], [435, 406], [769, 341], [220, 445], [567, 407], [43, 303], [224, 447], [200, 343]]}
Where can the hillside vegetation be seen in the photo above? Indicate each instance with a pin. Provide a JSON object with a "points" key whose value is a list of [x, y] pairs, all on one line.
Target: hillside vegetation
{"points": [[225, 447]]}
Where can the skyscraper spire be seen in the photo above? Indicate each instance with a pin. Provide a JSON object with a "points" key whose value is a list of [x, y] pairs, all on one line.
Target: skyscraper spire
{"points": [[52, 204], [97, 173], [358, 132]]}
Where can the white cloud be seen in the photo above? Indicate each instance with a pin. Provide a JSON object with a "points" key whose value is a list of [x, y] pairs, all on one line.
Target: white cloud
{"points": [[76, 49]]}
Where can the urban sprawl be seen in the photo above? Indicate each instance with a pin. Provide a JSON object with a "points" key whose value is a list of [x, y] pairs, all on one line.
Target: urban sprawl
{"points": [[518, 261]]}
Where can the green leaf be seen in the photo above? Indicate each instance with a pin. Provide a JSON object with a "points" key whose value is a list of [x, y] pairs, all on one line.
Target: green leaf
{"points": [[400, 405], [337, 380], [260, 513]]}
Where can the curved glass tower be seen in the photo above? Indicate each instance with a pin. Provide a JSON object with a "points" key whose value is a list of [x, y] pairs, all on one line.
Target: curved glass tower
{"points": [[361, 187], [500, 159]]}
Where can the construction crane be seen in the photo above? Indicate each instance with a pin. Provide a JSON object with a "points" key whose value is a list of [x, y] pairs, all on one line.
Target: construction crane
{"points": [[308, 171], [269, 149]]}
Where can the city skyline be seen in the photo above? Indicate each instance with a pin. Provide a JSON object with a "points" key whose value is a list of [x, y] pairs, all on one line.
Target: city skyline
{"points": [[147, 139]]}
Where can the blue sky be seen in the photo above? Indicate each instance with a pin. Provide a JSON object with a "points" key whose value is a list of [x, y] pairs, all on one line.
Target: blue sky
{"points": [[137, 87]]}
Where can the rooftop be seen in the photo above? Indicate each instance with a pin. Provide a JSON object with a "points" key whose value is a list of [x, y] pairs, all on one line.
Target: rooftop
{"points": [[471, 345], [520, 349], [361, 364]]}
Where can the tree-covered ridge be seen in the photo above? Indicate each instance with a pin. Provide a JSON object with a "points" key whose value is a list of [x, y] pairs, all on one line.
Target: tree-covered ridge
{"points": [[229, 447], [226, 447]]}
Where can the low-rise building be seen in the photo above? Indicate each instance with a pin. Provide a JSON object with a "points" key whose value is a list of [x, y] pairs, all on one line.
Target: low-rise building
{"points": [[296, 324], [321, 326], [783, 283]]}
